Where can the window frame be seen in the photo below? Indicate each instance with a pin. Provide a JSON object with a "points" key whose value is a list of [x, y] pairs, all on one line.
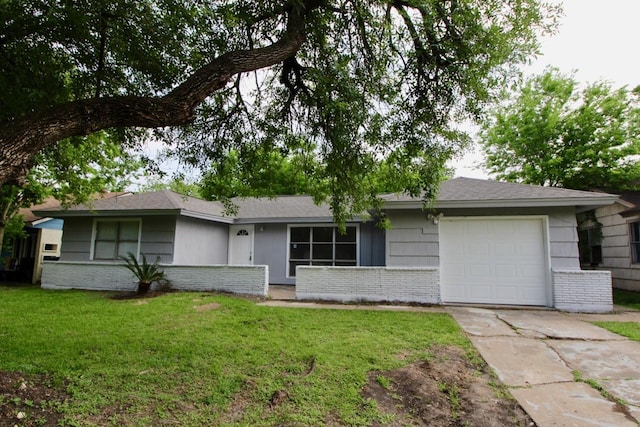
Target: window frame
{"points": [[94, 235], [333, 259], [594, 240], [634, 250]]}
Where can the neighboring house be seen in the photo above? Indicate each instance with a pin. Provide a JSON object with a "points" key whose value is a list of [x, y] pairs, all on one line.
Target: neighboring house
{"points": [[481, 242], [42, 242], [610, 240]]}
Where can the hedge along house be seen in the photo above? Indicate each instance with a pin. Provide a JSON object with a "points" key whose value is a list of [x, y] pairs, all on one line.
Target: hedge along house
{"points": [[482, 242]]}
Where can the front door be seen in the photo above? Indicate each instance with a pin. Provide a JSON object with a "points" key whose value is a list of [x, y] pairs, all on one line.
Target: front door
{"points": [[241, 244]]}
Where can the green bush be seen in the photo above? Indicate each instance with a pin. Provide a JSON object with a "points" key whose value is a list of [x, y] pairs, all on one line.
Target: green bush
{"points": [[146, 273]]}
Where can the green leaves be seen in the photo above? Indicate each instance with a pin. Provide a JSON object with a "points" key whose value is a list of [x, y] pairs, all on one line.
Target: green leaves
{"points": [[554, 133], [74, 171], [146, 273], [371, 79]]}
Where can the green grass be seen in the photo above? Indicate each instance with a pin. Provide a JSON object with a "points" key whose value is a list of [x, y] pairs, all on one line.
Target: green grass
{"points": [[163, 362], [626, 298], [630, 330]]}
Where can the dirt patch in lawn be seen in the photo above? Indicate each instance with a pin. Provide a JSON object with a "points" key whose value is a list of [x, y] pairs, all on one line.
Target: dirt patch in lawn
{"points": [[134, 295], [207, 307], [29, 400], [446, 390]]}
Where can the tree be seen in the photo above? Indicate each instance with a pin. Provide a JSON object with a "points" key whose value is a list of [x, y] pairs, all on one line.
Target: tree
{"points": [[73, 171], [261, 172], [553, 133], [177, 183], [354, 78]]}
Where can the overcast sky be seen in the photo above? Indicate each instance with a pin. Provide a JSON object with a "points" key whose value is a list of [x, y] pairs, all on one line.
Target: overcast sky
{"points": [[599, 39]]}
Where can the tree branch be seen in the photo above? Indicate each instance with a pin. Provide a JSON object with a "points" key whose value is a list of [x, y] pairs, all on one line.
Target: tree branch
{"points": [[22, 139]]}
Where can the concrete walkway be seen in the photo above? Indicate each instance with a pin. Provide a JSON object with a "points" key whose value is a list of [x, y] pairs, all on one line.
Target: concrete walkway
{"points": [[540, 355]]}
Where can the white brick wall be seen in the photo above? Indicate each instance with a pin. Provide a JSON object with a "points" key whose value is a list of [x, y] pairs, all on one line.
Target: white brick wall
{"points": [[245, 279], [404, 284], [582, 290]]}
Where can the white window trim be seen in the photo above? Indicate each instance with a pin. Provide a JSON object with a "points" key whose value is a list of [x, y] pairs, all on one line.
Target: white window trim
{"points": [[319, 224], [94, 232]]}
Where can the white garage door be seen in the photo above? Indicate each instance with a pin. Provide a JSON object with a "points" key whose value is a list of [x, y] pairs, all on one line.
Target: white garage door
{"points": [[493, 261]]}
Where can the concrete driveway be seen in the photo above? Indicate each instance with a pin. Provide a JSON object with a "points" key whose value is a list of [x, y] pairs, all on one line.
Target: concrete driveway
{"points": [[541, 355]]}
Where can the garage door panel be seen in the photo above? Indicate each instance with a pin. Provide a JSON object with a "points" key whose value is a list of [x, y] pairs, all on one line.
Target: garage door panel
{"points": [[477, 249], [505, 271], [507, 292], [504, 249], [499, 261], [480, 292], [528, 248], [457, 271], [479, 270]]}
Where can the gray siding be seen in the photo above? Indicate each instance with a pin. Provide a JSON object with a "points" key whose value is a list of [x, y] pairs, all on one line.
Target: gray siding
{"points": [[616, 248], [156, 238], [372, 248], [270, 248], [200, 242], [413, 239]]}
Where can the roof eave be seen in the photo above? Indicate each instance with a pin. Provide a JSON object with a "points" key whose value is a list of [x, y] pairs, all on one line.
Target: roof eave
{"points": [[108, 213], [294, 220], [590, 202], [207, 217]]}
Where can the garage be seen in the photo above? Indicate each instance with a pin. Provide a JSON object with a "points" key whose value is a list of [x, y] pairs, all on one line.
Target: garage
{"points": [[493, 260]]}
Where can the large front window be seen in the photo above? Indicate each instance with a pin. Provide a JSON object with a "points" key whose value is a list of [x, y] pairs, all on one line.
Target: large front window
{"points": [[322, 245], [114, 239]]}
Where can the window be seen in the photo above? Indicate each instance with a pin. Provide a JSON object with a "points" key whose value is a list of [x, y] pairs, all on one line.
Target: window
{"points": [[590, 244], [114, 239], [50, 247], [322, 245], [634, 239]]}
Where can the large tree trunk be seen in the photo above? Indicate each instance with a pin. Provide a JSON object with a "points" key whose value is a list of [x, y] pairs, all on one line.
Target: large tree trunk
{"points": [[21, 140]]}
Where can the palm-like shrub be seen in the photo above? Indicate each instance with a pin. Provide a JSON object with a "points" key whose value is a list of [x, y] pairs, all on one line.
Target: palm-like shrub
{"points": [[146, 273]]}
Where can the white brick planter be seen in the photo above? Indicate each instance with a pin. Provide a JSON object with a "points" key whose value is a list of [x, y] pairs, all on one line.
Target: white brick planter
{"points": [[582, 290], [244, 279], [403, 284]]}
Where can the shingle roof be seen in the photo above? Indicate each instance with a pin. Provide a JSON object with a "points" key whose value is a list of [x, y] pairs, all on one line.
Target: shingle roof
{"points": [[52, 204], [632, 199], [459, 191], [283, 208], [29, 216], [152, 202], [455, 193]]}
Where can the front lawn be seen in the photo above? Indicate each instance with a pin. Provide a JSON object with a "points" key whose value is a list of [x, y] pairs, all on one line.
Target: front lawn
{"points": [[204, 359], [628, 299], [630, 330]]}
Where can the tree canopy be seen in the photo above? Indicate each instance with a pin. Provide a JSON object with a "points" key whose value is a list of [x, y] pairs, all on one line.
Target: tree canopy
{"points": [[358, 80], [73, 171], [553, 132]]}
